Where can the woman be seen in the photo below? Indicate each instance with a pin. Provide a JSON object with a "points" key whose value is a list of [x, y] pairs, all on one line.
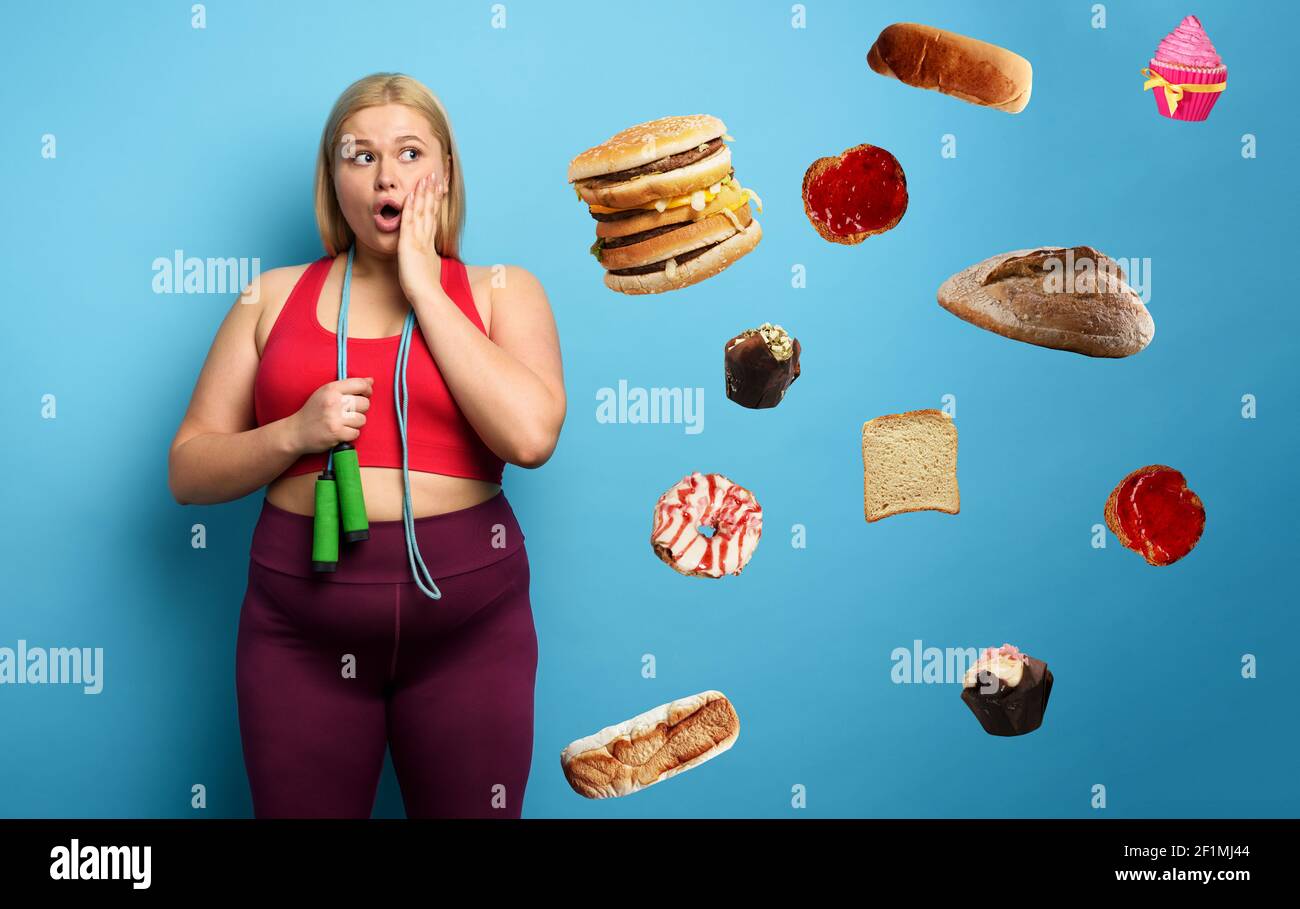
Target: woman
{"points": [[422, 637]]}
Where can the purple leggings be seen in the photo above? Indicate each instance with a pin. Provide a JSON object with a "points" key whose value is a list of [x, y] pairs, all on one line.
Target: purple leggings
{"points": [[331, 668]]}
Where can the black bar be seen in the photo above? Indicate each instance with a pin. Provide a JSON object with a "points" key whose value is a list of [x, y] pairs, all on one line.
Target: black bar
{"points": [[212, 857]]}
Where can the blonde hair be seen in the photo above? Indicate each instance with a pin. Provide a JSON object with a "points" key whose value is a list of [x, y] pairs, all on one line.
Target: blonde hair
{"points": [[371, 91]]}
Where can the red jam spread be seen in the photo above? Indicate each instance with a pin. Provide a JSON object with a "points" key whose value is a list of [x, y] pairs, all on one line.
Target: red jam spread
{"points": [[865, 192], [1161, 517]]}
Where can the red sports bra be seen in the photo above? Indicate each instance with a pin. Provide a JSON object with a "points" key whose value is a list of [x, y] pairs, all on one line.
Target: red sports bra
{"points": [[301, 355]]}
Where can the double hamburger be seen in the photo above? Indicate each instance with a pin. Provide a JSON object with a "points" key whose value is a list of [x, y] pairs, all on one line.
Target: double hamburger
{"points": [[669, 211]]}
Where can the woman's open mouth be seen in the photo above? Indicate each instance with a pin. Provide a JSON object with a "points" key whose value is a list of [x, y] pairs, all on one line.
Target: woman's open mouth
{"points": [[389, 218]]}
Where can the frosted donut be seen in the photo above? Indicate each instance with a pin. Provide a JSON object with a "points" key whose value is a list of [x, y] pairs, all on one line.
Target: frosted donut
{"points": [[709, 500]]}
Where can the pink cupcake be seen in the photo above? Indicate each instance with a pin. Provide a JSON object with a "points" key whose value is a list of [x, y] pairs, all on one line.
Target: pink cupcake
{"points": [[1185, 61]]}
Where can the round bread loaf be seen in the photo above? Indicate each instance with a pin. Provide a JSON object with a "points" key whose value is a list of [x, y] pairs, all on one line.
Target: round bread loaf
{"points": [[1074, 299]]}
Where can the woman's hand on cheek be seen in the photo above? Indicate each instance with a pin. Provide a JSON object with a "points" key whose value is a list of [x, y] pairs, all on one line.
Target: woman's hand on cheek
{"points": [[419, 268]]}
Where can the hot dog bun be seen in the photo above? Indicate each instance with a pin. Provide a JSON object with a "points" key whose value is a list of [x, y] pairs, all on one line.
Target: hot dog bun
{"points": [[944, 61], [652, 746]]}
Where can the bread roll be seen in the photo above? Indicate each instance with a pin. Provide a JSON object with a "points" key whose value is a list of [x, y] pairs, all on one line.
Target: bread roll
{"points": [[966, 68], [652, 746], [1074, 299]]}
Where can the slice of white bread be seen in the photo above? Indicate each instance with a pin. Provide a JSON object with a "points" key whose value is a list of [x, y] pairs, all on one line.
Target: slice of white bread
{"points": [[909, 463]]}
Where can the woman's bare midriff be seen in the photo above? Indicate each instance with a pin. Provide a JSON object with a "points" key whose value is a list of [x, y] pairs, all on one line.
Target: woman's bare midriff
{"points": [[431, 493]]}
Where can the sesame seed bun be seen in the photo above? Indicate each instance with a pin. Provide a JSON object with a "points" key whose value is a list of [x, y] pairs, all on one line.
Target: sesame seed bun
{"points": [[645, 142]]}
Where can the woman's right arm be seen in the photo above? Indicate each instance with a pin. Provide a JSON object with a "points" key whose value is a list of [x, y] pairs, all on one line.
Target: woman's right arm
{"points": [[220, 453]]}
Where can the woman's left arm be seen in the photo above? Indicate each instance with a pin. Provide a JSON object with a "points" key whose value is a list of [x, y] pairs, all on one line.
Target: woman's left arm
{"points": [[510, 386]]}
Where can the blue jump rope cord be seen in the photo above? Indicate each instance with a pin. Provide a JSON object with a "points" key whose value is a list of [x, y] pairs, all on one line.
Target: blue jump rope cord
{"points": [[399, 399]]}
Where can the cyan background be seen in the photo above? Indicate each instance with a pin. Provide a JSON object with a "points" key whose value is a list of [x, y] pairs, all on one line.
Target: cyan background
{"points": [[203, 140]]}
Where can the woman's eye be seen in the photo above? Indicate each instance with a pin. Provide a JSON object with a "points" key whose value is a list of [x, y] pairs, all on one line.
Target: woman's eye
{"points": [[416, 150], [360, 155]]}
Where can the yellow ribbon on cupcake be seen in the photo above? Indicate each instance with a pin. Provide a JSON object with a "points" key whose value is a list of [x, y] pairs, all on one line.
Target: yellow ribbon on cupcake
{"points": [[1174, 91]]}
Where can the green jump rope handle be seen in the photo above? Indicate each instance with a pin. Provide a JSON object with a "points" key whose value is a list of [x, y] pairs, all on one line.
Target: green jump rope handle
{"points": [[325, 527], [352, 503]]}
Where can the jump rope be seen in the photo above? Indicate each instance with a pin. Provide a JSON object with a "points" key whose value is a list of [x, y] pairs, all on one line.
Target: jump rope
{"points": [[339, 499]]}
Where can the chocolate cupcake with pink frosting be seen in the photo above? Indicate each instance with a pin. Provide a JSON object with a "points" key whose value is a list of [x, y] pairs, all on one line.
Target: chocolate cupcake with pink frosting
{"points": [[1007, 691], [1186, 73]]}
